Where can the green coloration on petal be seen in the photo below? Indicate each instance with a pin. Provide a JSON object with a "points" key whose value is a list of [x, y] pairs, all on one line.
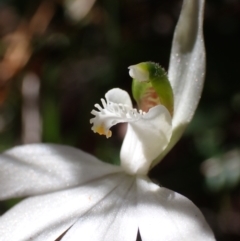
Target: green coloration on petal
{"points": [[151, 86]]}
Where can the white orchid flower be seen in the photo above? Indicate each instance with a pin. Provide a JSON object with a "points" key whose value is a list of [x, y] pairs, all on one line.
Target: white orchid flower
{"points": [[75, 194]]}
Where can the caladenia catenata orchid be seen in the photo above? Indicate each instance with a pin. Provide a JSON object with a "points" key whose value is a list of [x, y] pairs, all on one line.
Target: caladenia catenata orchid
{"points": [[75, 195], [149, 129]]}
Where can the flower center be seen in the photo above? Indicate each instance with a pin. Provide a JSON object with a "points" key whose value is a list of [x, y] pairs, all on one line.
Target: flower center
{"points": [[149, 99]]}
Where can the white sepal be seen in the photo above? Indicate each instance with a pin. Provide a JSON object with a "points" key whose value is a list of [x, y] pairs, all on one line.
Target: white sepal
{"points": [[112, 219], [46, 217], [40, 168], [187, 66], [164, 215]]}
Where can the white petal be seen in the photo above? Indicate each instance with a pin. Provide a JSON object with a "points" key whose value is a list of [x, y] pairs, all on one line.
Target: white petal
{"points": [[117, 109], [113, 218], [165, 215], [187, 66], [118, 96], [148, 133], [40, 168], [145, 140], [46, 217]]}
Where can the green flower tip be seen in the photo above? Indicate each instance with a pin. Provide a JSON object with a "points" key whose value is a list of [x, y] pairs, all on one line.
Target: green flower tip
{"points": [[151, 86], [139, 72], [146, 71]]}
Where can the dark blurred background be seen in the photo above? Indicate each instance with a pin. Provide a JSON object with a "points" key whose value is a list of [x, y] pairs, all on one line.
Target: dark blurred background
{"points": [[58, 58]]}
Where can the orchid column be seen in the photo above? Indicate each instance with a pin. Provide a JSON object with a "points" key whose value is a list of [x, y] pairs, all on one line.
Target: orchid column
{"points": [[75, 195]]}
